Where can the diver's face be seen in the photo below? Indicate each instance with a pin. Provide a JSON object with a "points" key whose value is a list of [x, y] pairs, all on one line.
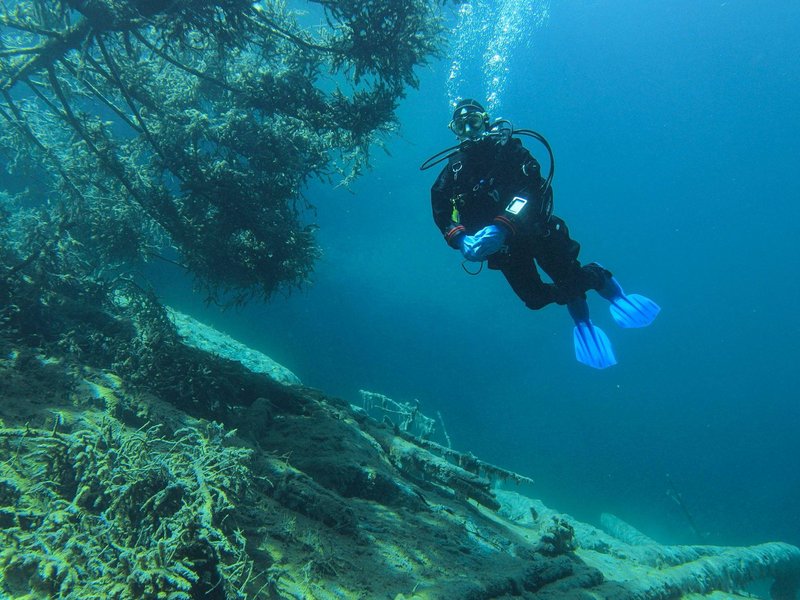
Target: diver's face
{"points": [[469, 124]]}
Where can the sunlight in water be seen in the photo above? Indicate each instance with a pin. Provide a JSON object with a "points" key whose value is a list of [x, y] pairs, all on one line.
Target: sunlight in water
{"points": [[486, 33]]}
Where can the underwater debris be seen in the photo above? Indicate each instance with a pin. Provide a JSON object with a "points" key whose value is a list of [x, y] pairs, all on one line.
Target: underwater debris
{"points": [[624, 532], [656, 571], [403, 416], [411, 451]]}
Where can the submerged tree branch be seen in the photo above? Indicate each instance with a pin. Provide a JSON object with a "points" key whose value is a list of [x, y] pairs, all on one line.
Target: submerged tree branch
{"points": [[185, 67], [49, 52], [100, 96], [211, 115]]}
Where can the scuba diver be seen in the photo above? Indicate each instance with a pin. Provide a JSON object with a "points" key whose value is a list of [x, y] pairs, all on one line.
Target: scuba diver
{"points": [[491, 202]]}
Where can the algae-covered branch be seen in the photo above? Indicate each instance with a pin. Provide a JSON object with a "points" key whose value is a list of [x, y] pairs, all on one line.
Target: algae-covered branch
{"points": [[132, 128]]}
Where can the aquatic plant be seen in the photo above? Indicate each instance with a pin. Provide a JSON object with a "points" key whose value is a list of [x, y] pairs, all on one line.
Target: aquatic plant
{"points": [[103, 511], [189, 128]]}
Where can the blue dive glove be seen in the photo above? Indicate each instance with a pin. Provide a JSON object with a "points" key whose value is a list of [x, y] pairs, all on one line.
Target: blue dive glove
{"points": [[484, 243]]}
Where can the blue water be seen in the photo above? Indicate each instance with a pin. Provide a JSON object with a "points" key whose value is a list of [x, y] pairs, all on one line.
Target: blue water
{"points": [[675, 127]]}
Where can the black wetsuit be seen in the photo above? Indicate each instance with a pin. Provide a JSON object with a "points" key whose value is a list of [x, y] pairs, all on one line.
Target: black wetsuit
{"points": [[474, 190]]}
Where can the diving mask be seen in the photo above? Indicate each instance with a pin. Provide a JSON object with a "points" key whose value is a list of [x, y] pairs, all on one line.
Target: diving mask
{"points": [[469, 124]]}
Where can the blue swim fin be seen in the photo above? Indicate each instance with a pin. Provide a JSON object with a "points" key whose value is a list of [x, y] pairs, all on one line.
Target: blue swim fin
{"points": [[628, 310], [592, 346]]}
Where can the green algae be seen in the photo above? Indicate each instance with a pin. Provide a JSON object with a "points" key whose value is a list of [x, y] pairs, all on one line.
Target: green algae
{"points": [[97, 509]]}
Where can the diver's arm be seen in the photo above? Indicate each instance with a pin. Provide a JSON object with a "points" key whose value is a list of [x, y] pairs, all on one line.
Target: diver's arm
{"points": [[528, 171], [444, 214], [522, 192]]}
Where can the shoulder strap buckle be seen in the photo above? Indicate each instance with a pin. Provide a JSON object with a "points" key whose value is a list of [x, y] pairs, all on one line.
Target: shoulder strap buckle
{"points": [[456, 167]]}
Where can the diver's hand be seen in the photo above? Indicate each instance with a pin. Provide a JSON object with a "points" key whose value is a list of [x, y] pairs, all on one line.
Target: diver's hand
{"points": [[467, 248], [483, 244]]}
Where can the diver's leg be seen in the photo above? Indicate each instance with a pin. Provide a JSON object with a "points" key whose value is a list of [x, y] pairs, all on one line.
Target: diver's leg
{"points": [[557, 254], [522, 275]]}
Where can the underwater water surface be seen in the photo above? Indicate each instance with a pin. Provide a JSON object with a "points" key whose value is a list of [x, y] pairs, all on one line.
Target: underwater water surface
{"points": [[675, 130]]}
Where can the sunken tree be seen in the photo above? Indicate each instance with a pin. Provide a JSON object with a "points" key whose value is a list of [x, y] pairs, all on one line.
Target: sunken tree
{"points": [[187, 129]]}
